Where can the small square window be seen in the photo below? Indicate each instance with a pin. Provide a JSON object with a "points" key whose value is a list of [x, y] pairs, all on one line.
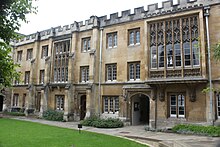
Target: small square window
{"points": [[112, 40], [86, 44], [134, 36]]}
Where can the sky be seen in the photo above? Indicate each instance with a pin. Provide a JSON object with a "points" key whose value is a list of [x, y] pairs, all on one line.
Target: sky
{"points": [[53, 13]]}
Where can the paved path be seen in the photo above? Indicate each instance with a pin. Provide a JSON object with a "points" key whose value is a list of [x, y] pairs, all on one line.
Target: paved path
{"points": [[137, 133]]}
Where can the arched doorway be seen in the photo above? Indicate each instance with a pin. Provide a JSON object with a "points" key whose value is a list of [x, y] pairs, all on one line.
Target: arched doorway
{"points": [[140, 109], [82, 107], [1, 102]]}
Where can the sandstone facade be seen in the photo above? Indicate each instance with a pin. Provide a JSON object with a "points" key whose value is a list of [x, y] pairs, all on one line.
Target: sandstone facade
{"points": [[148, 67]]}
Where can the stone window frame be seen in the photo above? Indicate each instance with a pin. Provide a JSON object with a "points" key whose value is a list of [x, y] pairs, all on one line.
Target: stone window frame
{"points": [[171, 33], [84, 74], [136, 71], [15, 100], [42, 76], [134, 37], [110, 104], [60, 101], [111, 72], [19, 56], [180, 106], [61, 60], [27, 77], [112, 40], [86, 44], [44, 51], [29, 54]]}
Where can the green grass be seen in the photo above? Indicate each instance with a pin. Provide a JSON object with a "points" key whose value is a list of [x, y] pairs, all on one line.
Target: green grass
{"points": [[213, 131], [15, 133]]}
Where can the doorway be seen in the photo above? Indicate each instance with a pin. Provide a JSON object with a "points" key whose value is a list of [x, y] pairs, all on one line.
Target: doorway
{"points": [[140, 109], [1, 102], [82, 107]]}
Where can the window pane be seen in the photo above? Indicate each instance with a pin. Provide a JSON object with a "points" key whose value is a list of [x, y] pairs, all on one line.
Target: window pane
{"points": [[173, 105], [169, 55], [109, 41], [111, 104], [173, 110], [161, 55], [186, 47], [153, 57], [138, 71], [106, 104], [114, 72], [66, 73], [177, 50], [109, 73], [181, 105], [173, 100], [131, 71], [196, 56], [115, 40], [116, 104], [131, 37], [137, 36]]}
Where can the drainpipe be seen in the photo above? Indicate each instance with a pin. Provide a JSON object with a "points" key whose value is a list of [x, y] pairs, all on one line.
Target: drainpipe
{"points": [[206, 14], [100, 71], [156, 113]]}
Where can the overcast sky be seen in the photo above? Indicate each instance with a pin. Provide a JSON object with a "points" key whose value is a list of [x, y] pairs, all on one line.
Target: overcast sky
{"points": [[53, 13]]}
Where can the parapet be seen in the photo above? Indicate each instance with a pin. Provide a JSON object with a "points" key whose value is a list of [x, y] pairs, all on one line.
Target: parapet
{"points": [[168, 7]]}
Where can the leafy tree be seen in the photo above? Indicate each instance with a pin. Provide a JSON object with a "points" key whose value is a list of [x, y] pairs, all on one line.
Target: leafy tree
{"points": [[217, 51], [12, 13]]}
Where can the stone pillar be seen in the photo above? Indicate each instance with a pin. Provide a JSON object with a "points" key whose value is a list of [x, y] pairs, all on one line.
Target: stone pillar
{"points": [[153, 107], [30, 100], [44, 100], [88, 102], [68, 103]]}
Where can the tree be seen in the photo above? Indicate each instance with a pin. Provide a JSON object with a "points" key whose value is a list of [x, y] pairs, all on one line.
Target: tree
{"points": [[217, 51], [12, 12]]}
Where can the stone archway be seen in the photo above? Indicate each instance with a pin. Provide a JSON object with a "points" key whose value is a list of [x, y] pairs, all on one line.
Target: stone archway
{"points": [[140, 109], [82, 107]]}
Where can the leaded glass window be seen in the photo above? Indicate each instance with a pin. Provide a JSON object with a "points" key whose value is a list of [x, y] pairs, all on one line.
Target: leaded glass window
{"points": [[61, 61], [177, 41]]}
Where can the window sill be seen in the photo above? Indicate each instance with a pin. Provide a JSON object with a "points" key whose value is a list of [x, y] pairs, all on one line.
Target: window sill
{"points": [[134, 45], [114, 47]]}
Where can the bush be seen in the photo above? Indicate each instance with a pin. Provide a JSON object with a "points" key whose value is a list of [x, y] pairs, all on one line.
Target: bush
{"points": [[197, 130], [53, 115], [97, 122], [15, 113]]}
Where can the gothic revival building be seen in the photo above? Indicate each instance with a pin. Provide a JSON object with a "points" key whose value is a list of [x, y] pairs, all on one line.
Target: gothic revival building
{"points": [[147, 67]]}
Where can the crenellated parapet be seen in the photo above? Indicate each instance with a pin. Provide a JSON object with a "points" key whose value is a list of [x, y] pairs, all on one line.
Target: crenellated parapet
{"points": [[168, 7]]}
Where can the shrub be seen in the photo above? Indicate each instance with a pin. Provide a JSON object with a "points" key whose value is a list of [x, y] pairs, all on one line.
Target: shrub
{"points": [[97, 122], [15, 113], [53, 115], [198, 130]]}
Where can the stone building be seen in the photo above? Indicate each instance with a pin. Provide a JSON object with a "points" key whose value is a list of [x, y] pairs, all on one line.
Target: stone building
{"points": [[148, 67]]}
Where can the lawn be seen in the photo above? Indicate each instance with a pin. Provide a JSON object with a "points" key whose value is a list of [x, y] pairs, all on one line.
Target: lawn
{"points": [[15, 133]]}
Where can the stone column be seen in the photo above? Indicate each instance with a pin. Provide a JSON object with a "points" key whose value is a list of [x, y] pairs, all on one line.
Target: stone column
{"points": [[30, 100], [44, 100], [88, 101], [153, 106]]}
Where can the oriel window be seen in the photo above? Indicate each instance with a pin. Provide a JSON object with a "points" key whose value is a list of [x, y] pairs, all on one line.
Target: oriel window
{"points": [[177, 41]]}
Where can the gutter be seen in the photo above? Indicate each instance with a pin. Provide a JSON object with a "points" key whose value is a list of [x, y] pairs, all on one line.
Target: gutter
{"points": [[206, 14], [100, 72]]}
